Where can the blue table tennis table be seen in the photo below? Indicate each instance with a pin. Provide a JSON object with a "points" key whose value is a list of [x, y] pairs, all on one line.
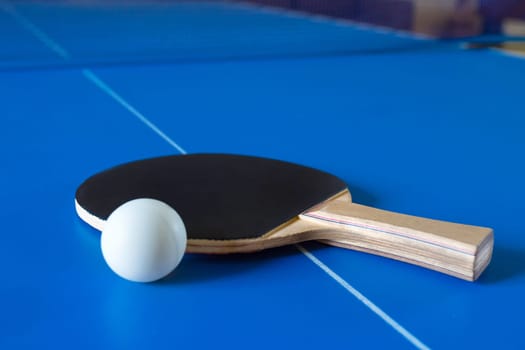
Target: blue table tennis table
{"points": [[413, 126]]}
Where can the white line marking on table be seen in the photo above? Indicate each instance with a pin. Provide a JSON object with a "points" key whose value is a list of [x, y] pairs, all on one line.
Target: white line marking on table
{"points": [[373, 307], [92, 77], [37, 32], [88, 74], [109, 91]]}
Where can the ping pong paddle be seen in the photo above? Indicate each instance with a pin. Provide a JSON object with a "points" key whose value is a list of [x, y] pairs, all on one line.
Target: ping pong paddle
{"points": [[233, 204]]}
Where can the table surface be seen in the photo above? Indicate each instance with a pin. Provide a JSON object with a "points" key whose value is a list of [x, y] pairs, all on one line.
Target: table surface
{"points": [[412, 126]]}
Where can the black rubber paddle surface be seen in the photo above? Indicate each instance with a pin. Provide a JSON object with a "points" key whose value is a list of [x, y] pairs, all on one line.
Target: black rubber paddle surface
{"points": [[218, 196]]}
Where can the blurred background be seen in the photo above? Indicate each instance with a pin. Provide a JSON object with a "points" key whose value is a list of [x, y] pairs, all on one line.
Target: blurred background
{"points": [[157, 31]]}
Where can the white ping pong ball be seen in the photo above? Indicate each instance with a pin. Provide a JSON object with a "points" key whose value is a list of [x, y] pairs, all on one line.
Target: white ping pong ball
{"points": [[143, 240]]}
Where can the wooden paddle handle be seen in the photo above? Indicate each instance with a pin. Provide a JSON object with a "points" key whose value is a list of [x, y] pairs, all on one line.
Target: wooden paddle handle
{"points": [[460, 250]]}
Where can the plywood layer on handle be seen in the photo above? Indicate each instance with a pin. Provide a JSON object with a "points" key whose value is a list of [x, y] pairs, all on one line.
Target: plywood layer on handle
{"points": [[459, 250]]}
